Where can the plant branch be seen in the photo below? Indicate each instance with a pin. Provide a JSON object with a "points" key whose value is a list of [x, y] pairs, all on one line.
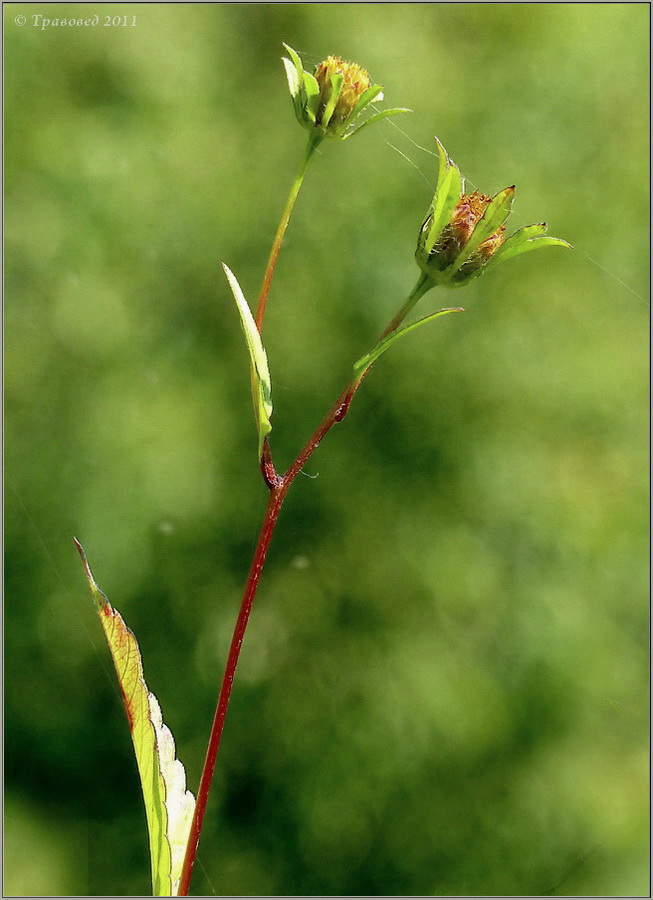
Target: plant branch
{"points": [[279, 486]]}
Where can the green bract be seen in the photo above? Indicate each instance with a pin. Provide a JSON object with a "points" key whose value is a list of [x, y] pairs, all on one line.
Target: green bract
{"points": [[329, 101], [463, 234]]}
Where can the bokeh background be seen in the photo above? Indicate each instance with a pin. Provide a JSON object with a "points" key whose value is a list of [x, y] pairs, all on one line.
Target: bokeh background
{"points": [[444, 685]]}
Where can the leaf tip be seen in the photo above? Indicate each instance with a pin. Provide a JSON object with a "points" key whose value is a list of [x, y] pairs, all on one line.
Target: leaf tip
{"points": [[100, 597], [87, 568]]}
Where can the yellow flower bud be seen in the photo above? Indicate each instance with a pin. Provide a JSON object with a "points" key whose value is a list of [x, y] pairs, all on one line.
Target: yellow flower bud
{"points": [[330, 101], [355, 82]]}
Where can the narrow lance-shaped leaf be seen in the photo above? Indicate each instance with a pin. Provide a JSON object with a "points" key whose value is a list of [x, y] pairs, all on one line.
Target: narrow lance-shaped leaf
{"points": [[292, 76], [297, 62], [337, 81], [447, 194], [363, 364], [373, 94], [530, 237], [376, 117], [312, 91], [294, 87], [261, 387], [169, 807]]}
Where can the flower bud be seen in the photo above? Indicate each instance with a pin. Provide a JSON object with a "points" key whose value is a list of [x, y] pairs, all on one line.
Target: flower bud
{"points": [[355, 81], [329, 101], [464, 234]]}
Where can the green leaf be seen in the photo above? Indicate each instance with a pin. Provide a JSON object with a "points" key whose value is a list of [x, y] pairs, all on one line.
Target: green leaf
{"points": [[169, 807], [375, 92], [292, 76], [443, 163], [312, 91], [297, 61], [305, 101], [498, 210], [337, 81], [530, 237], [375, 118], [294, 87], [447, 194], [364, 363], [261, 386]]}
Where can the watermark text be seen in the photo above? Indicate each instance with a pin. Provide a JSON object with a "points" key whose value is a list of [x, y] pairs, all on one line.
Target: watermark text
{"points": [[36, 20]]}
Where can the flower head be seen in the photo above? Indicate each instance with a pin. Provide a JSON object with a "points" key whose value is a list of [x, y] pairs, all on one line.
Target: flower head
{"points": [[355, 81], [329, 101], [463, 234]]}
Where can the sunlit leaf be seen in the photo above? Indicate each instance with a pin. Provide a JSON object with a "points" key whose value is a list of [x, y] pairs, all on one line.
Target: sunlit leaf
{"points": [[373, 94], [363, 364], [261, 387], [312, 91], [530, 237], [447, 194], [376, 117], [169, 806], [297, 62], [292, 76], [337, 81]]}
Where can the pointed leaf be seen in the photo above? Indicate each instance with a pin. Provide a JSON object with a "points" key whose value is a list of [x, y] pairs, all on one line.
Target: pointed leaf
{"points": [[373, 93], [295, 93], [297, 61], [261, 387], [364, 363], [292, 76], [521, 236], [533, 243], [312, 92], [443, 163], [447, 194], [305, 102], [375, 118], [337, 81], [169, 807]]}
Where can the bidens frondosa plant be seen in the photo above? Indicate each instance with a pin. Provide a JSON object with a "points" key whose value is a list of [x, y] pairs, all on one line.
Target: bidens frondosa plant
{"points": [[463, 236]]}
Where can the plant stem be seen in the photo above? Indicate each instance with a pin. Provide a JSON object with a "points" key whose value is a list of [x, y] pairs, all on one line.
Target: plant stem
{"points": [[278, 491], [271, 513], [423, 285], [313, 142], [278, 486]]}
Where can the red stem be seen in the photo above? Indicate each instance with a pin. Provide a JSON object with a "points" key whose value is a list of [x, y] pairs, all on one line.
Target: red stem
{"points": [[279, 486], [274, 505]]}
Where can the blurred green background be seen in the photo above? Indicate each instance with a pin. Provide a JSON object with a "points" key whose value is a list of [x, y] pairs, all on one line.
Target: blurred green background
{"points": [[444, 685]]}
